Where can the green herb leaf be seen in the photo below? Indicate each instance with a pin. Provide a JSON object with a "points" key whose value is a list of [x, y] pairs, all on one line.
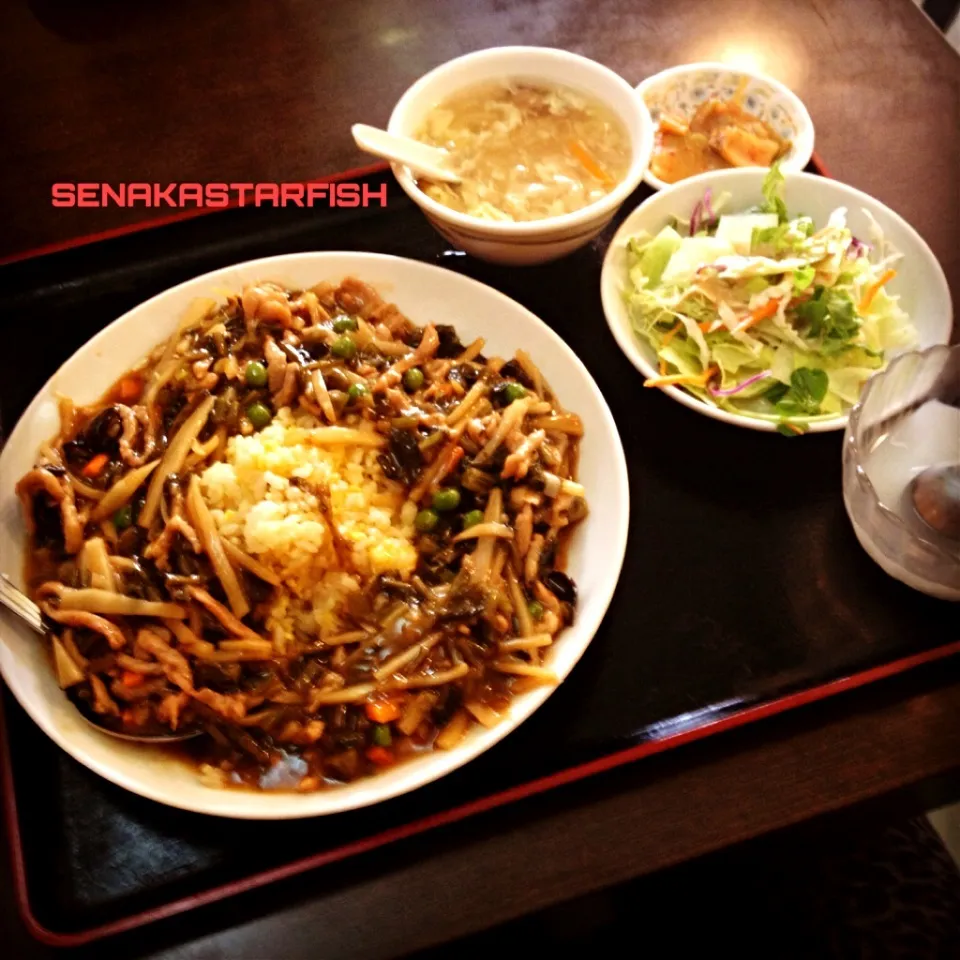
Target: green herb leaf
{"points": [[776, 393], [829, 315], [808, 387]]}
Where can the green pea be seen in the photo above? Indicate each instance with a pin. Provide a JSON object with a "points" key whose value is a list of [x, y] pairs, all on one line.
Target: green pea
{"points": [[381, 735], [536, 609], [123, 517], [446, 499], [256, 374], [515, 391], [344, 347], [426, 520], [356, 391], [259, 415], [472, 518], [413, 379], [344, 324]]}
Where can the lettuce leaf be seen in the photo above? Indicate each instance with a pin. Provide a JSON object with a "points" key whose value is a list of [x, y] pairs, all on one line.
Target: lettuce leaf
{"points": [[772, 190], [657, 253]]}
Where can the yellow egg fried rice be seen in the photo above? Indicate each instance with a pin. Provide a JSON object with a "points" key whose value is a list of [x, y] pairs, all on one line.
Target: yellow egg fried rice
{"points": [[267, 497]]}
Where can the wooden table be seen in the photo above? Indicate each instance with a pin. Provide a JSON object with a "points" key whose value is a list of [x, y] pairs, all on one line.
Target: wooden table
{"points": [[243, 91]]}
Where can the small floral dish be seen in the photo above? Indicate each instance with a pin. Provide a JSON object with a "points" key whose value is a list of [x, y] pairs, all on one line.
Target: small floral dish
{"points": [[679, 91]]}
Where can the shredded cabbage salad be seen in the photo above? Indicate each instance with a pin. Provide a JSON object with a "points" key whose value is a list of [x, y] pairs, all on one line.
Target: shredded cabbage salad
{"points": [[764, 314]]}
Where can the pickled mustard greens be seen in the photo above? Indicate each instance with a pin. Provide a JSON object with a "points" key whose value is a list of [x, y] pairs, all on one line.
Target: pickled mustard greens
{"points": [[720, 135]]}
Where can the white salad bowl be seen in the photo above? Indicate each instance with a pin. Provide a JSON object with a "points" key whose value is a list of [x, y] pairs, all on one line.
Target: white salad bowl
{"points": [[920, 282], [678, 91], [426, 294], [534, 241]]}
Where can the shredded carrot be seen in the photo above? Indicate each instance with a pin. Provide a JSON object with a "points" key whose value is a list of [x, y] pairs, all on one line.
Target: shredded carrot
{"points": [[662, 366], [672, 333], [451, 459], [591, 165], [763, 312], [95, 465], [381, 756], [130, 678], [740, 91], [684, 379], [383, 711], [793, 428], [873, 289], [671, 124], [129, 389]]}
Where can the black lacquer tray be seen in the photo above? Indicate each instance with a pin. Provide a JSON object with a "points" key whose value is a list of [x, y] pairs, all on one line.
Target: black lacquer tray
{"points": [[744, 592]]}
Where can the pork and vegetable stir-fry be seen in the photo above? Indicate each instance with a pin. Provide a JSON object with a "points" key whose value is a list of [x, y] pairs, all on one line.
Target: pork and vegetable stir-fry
{"points": [[324, 536]]}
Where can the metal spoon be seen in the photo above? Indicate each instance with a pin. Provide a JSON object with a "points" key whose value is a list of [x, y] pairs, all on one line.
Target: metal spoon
{"points": [[18, 603], [935, 494], [430, 162]]}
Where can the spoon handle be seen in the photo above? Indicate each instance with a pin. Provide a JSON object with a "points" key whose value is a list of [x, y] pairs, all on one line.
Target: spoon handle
{"points": [[19, 603], [421, 158]]}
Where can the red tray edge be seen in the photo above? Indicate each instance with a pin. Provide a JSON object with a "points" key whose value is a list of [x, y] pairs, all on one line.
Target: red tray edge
{"points": [[455, 814], [493, 801]]}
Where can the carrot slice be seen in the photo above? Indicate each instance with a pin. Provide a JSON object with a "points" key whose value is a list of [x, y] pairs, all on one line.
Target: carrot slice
{"points": [[591, 165], [763, 312], [671, 334], [737, 97], [95, 465], [130, 678], [383, 711], [873, 289], [381, 756], [129, 389], [671, 124], [685, 380]]}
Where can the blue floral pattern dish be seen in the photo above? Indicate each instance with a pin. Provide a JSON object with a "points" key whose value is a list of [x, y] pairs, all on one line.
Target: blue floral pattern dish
{"points": [[680, 90]]}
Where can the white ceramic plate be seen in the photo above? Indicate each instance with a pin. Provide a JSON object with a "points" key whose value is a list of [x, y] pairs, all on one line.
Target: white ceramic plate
{"points": [[425, 293], [680, 90], [920, 282]]}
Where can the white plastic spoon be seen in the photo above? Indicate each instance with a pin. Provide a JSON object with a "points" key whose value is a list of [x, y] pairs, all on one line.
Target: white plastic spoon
{"points": [[430, 162]]}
